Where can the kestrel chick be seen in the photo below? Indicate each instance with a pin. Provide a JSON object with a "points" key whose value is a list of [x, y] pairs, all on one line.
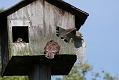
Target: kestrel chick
{"points": [[51, 49]]}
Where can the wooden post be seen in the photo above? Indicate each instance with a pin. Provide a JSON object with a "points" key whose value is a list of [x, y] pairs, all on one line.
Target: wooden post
{"points": [[40, 72]]}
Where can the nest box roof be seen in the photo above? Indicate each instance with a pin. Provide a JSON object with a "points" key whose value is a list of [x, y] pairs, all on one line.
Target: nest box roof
{"points": [[80, 16]]}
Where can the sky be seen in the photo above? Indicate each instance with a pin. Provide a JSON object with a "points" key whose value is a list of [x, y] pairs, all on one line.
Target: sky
{"points": [[100, 32]]}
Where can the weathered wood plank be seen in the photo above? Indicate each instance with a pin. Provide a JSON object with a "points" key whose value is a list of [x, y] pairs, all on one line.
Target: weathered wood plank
{"points": [[17, 48], [31, 16], [64, 19], [56, 17]]}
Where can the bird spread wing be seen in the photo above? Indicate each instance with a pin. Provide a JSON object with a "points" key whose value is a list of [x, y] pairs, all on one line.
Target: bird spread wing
{"points": [[65, 34]]}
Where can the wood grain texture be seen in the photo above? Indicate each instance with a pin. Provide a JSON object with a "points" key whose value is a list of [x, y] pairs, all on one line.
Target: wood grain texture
{"points": [[42, 18]]}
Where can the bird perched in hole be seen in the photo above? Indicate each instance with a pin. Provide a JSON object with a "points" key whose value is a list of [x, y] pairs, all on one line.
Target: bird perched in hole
{"points": [[19, 46], [51, 49], [20, 43], [20, 40]]}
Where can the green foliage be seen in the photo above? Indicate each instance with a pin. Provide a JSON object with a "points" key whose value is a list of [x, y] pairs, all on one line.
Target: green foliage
{"points": [[78, 72], [1, 10], [104, 76], [109, 77], [14, 78]]}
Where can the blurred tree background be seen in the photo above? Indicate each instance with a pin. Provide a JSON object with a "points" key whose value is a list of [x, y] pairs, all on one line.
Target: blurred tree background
{"points": [[1, 10], [14, 78], [80, 72]]}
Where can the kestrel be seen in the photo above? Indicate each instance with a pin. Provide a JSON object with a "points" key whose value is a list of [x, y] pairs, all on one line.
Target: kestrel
{"points": [[19, 40], [66, 34], [51, 49]]}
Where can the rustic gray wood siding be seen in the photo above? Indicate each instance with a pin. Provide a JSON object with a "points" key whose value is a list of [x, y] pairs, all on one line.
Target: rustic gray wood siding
{"points": [[41, 18]]}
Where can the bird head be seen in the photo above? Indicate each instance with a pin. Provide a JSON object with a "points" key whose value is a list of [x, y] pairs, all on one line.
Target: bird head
{"points": [[19, 40]]}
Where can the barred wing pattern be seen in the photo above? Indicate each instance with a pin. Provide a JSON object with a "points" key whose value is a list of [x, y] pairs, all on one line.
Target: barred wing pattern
{"points": [[65, 34], [51, 49]]}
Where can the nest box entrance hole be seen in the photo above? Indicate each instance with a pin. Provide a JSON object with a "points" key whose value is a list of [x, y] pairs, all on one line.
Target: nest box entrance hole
{"points": [[20, 32]]}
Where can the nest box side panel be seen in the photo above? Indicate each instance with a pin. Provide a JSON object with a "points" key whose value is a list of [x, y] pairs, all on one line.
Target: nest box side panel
{"points": [[3, 42], [26, 23], [53, 17]]}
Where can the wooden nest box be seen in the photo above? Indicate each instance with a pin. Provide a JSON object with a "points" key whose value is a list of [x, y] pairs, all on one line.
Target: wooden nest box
{"points": [[25, 30]]}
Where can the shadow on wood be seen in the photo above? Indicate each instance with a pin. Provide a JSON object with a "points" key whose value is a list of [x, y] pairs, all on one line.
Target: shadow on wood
{"points": [[40, 72], [23, 65]]}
